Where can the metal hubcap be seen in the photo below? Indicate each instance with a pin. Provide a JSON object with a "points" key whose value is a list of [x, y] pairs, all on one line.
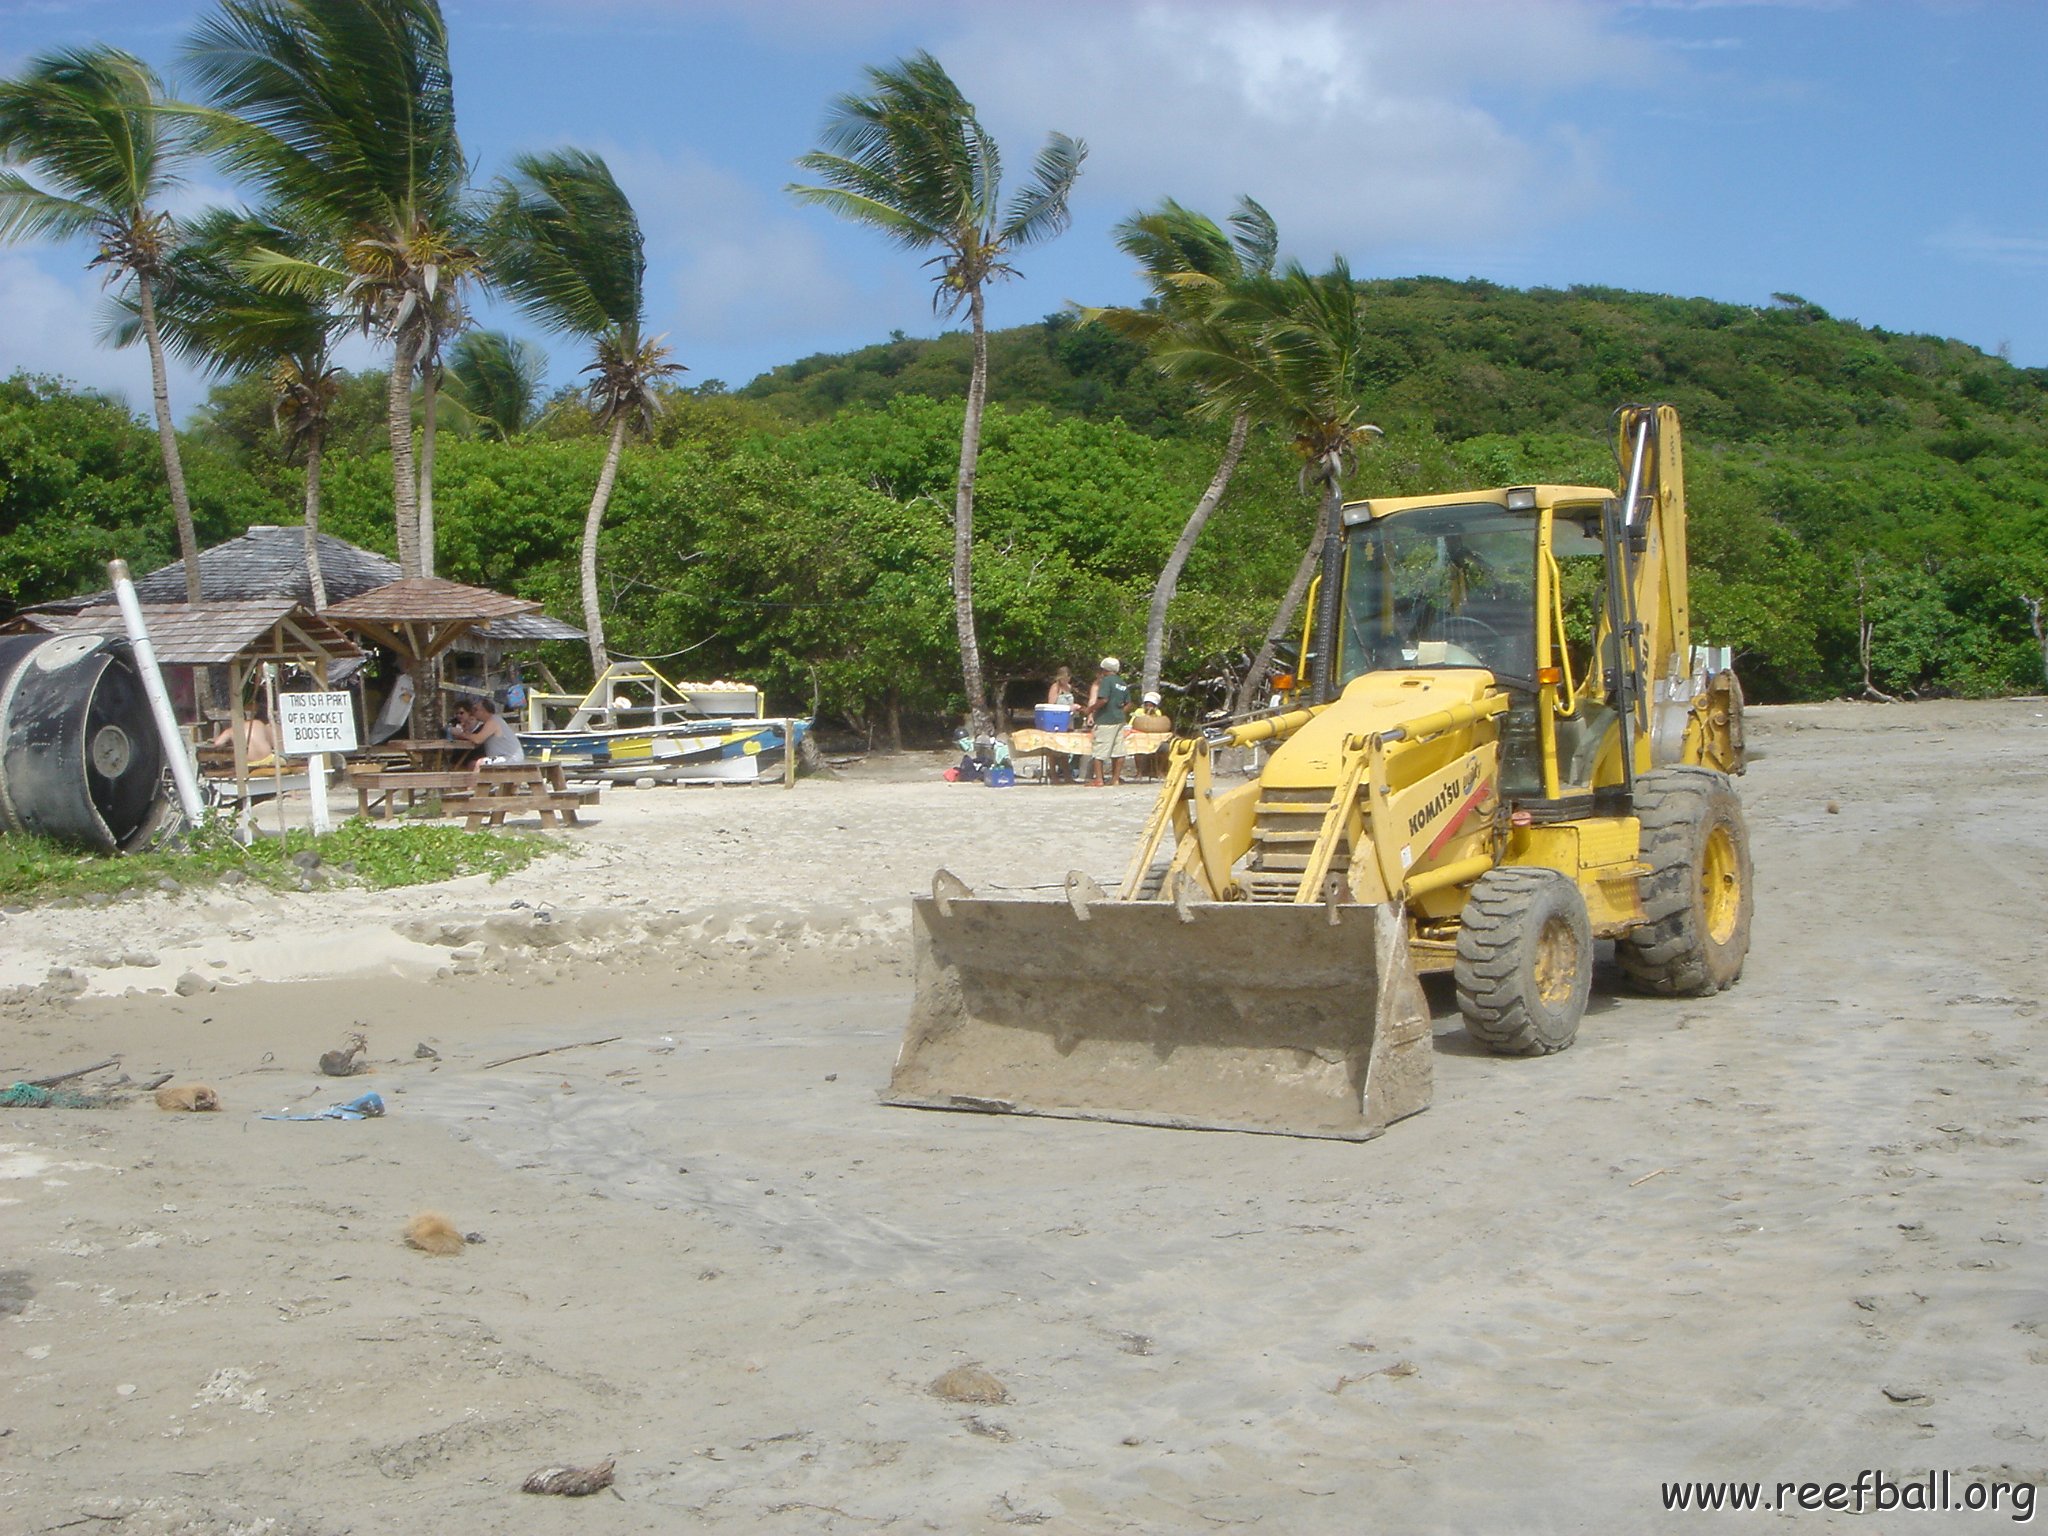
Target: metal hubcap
{"points": [[1720, 885]]}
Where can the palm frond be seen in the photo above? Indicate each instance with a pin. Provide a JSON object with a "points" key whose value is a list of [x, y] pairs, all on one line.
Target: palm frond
{"points": [[211, 309], [902, 226], [911, 160], [1284, 348], [1172, 241], [278, 271], [27, 212], [493, 383], [1040, 211], [567, 246], [347, 107], [1140, 325], [88, 119], [1256, 236]]}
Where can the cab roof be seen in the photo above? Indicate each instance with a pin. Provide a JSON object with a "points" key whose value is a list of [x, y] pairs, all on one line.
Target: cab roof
{"points": [[1546, 496]]}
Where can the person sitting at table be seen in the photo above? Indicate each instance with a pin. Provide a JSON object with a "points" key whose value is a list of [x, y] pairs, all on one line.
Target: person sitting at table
{"points": [[259, 742], [479, 724], [1151, 717]]}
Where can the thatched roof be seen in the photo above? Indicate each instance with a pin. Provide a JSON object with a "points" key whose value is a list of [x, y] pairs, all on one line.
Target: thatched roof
{"points": [[213, 634], [429, 600], [269, 562]]}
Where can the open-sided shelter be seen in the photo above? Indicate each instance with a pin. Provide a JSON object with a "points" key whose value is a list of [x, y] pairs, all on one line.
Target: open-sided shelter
{"points": [[421, 617], [237, 635]]}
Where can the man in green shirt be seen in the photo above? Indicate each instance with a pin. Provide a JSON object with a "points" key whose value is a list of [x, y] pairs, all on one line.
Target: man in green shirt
{"points": [[1105, 711]]}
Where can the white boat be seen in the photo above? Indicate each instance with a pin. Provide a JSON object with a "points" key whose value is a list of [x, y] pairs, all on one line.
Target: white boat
{"points": [[636, 723]]}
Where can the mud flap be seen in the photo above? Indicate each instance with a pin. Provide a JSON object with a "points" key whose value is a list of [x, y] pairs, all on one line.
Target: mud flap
{"points": [[1228, 1016]]}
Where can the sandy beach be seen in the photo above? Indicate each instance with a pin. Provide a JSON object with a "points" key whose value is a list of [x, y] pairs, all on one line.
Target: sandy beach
{"points": [[1792, 1232]]}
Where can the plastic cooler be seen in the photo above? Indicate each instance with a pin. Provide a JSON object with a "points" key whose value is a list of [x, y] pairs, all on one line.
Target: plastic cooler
{"points": [[1054, 717]]}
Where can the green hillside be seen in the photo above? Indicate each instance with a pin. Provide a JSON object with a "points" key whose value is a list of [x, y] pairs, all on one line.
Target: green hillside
{"points": [[1857, 496], [1465, 358]]}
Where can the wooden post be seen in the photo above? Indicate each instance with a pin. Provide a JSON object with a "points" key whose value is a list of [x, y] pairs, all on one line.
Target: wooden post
{"points": [[789, 754], [316, 768], [276, 746], [238, 734]]}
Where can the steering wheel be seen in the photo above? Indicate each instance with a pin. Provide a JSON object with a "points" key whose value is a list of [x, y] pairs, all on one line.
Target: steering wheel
{"points": [[1456, 624]]}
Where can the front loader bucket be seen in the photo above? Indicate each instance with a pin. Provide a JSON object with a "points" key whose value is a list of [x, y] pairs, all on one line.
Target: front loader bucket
{"points": [[1228, 1016]]}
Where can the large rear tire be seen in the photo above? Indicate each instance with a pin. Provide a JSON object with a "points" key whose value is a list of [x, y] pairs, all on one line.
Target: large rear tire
{"points": [[1697, 896], [1525, 961]]}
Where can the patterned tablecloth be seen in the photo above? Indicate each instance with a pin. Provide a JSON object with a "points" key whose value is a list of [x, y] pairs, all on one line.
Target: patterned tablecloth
{"points": [[1078, 743]]}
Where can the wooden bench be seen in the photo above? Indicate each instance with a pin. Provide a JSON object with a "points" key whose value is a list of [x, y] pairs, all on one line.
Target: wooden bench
{"points": [[378, 790], [483, 796], [513, 789]]}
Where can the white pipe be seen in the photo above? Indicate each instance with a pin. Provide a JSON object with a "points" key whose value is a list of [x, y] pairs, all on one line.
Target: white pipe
{"points": [[316, 787], [1635, 474], [159, 701]]}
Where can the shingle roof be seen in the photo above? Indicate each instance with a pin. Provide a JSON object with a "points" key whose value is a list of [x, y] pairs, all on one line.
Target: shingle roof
{"points": [[268, 561], [208, 634], [428, 600]]}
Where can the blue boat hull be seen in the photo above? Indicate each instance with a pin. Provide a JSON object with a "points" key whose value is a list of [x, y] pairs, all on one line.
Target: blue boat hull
{"points": [[697, 744]]}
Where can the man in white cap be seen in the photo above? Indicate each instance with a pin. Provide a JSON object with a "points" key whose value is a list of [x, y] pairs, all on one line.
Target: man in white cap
{"points": [[1105, 711]]}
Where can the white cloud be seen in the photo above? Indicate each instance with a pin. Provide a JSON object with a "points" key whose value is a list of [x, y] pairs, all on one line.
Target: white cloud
{"points": [[1974, 243], [1361, 126], [730, 261], [53, 326]]}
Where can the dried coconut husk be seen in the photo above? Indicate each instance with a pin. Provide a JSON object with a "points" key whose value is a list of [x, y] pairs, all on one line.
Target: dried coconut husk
{"points": [[189, 1096], [570, 1482], [433, 1233]]}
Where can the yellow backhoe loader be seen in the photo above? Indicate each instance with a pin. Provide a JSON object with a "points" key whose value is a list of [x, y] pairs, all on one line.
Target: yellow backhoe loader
{"points": [[1508, 749]]}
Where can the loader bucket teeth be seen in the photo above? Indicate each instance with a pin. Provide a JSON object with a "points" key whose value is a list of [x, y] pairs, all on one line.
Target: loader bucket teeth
{"points": [[1210, 1016]]}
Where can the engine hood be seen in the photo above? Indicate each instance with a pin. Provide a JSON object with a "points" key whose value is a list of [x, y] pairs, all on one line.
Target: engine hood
{"points": [[1377, 701]]}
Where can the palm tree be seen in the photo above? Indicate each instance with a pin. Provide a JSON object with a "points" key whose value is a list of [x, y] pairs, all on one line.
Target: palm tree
{"points": [[1302, 376], [213, 315], [911, 160], [89, 121], [343, 113], [566, 244], [444, 316], [1191, 266], [493, 385]]}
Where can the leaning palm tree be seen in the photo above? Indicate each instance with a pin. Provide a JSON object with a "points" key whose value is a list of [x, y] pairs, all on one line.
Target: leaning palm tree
{"points": [[1191, 266], [214, 316], [493, 385], [1303, 377], [343, 113], [566, 245], [911, 160], [89, 121]]}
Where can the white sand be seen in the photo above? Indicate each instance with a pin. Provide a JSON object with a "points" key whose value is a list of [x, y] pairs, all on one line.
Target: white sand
{"points": [[1703, 1243]]}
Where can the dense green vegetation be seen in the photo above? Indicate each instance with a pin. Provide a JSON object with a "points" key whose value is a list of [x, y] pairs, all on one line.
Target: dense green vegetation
{"points": [[1855, 495]]}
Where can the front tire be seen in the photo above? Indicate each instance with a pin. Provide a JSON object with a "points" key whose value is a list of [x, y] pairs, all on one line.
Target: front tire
{"points": [[1525, 961], [1697, 897]]}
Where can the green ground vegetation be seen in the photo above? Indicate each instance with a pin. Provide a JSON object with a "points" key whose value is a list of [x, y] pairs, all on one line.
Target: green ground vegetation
{"points": [[1866, 508], [34, 870]]}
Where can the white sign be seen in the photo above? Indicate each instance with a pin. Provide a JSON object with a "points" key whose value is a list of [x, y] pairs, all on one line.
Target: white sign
{"points": [[315, 723]]}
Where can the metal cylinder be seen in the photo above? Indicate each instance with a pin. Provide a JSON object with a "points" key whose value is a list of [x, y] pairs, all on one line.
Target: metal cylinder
{"points": [[80, 762]]}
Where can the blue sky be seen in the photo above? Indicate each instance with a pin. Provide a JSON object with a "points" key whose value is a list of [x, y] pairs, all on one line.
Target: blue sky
{"points": [[1883, 160]]}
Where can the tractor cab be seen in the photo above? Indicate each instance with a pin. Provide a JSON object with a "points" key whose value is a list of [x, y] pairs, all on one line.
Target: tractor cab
{"points": [[1506, 582]]}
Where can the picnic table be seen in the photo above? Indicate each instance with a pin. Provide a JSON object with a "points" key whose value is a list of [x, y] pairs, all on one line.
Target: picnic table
{"points": [[419, 751], [483, 795], [1080, 743], [1045, 745]]}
